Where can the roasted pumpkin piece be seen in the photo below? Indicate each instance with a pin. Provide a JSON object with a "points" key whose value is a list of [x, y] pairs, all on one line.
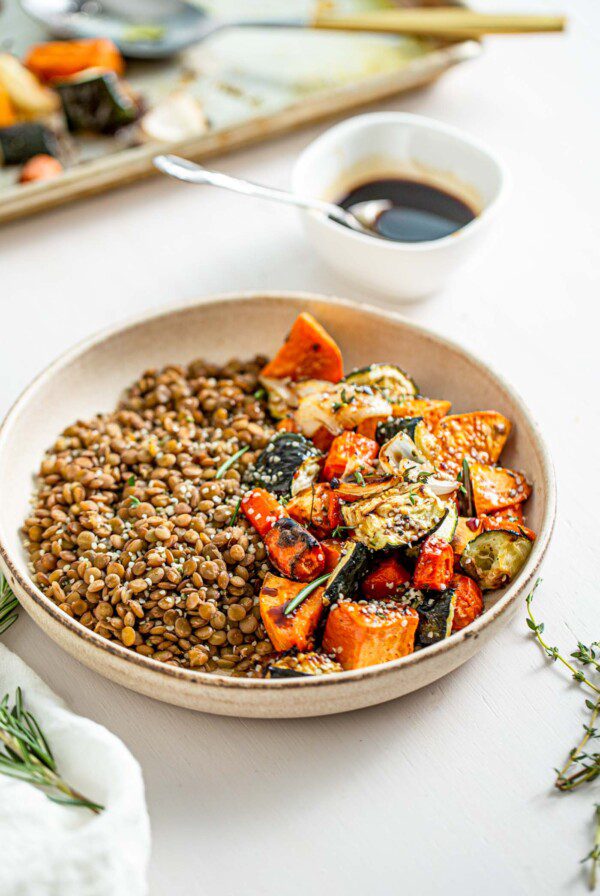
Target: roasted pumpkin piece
{"points": [[345, 579], [435, 565], [467, 528], [286, 425], [479, 436], [294, 665], [436, 617], [493, 559], [393, 383], [431, 409], [309, 352], [495, 488], [60, 59], [469, 602], [8, 115], [294, 551], [399, 516], [297, 629], [332, 548], [317, 508], [361, 635], [509, 518], [277, 464], [322, 439], [349, 450], [388, 579], [262, 509]]}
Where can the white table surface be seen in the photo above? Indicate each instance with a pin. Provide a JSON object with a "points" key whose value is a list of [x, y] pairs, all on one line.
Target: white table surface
{"points": [[447, 790]]}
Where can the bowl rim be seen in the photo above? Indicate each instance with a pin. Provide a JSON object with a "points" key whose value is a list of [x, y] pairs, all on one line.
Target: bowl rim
{"points": [[216, 680], [307, 159]]}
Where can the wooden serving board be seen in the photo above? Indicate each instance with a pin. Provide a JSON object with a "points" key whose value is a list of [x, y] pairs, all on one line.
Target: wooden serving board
{"points": [[253, 84]]}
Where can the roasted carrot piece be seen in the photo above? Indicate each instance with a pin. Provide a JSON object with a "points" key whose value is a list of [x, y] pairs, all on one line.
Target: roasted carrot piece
{"points": [[510, 519], [61, 59], [435, 565], [317, 508], [288, 424], [309, 352], [346, 448], [469, 602], [8, 115], [479, 436], [362, 635], [40, 167], [297, 629], [293, 551], [388, 579], [332, 548], [495, 488], [262, 509], [323, 439]]}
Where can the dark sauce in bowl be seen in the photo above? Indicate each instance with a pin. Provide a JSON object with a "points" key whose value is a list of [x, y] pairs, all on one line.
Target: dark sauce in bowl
{"points": [[420, 212]]}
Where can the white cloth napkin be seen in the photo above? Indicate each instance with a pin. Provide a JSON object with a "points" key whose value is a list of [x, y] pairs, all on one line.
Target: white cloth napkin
{"points": [[53, 850]]}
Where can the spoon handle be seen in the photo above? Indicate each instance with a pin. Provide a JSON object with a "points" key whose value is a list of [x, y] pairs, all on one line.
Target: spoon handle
{"points": [[183, 169]]}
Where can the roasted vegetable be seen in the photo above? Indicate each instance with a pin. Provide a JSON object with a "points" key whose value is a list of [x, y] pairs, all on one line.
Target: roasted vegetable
{"points": [[447, 527], [297, 629], [97, 101], [388, 579], [387, 429], [294, 665], [363, 635], [493, 559], [307, 474], [276, 465], [60, 59], [401, 515], [469, 602], [430, 409], [509, 518], [322, 439], [262, 509], [393, 383], [309, 352], [178, 116], [401, 448], [22, 142], [367, 487], [317, 508], [479, 436], [436, 616], [26, 94], [39, 168], [435, 566], [8, 115], [467, 528], [293, 551], [345, 579], [332, 548], [286, 424], [342, 407], [349, 451], [495, 488]]}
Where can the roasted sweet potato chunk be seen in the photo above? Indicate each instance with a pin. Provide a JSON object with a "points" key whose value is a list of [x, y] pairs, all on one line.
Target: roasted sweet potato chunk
{"points": [[495, 488], [479, 436], [349, 448], [362, 635], [308, 353], [262, 509], [510, 519], [469, 602], [435, 565], [317, 508], [332, 548], [62, 58], [297, 629], [294, 551], [387, 580]]}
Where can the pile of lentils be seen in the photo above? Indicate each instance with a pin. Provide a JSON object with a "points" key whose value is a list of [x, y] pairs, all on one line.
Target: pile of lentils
{"points": [[135, 529]]}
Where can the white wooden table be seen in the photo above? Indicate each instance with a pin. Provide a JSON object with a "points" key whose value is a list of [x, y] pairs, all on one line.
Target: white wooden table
{"points": [[448, 790]]}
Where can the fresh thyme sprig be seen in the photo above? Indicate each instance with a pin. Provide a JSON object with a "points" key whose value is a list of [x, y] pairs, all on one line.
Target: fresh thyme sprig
{"points": [[8, 605], [25, 754], [582, 765]]}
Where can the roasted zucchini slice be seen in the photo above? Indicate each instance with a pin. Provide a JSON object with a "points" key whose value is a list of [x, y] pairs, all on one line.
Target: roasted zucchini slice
{"points": [[276, 465], [388, 379], [447, 527], [97, 101], [436, 615], [297, 665], [349, 572], [399, 516], [494, 558], [387, 429]]}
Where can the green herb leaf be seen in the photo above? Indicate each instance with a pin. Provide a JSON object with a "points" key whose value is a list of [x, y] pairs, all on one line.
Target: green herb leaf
{"points": [[131, 480], [236, 511], [229, 463], [8, 605]]}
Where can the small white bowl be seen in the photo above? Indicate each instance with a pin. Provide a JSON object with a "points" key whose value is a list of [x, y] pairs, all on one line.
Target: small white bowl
{"points": [[384, 144]]}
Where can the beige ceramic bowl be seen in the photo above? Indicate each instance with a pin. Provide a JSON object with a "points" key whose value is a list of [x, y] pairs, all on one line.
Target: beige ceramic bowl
{"points": [[91, 377]]}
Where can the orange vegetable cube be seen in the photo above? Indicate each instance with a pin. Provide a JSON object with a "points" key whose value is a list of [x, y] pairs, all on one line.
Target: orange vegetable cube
{"points": [[297, 629], [469, 602], [308, 353], [349, 447], [262, 509], [317, 508], [54, 60], [385, 581], [294, 551], [362, 635], [495, 488], [435, 565]]}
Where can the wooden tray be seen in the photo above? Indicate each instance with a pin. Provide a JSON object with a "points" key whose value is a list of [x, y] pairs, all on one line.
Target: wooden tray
{"points": [[253, 84]]}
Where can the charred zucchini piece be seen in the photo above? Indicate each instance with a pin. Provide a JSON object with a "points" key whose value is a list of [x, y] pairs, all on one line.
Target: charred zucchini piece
{"points": [[387, 429], [400, 516], [97, 101], [21, 142], [276, 465], [349, 572], [296, 665], [388, 379], [447, 527], [436, 615], [494, 558]]}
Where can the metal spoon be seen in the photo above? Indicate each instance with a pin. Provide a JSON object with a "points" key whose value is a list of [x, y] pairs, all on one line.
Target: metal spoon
{"points": [[362, 217]]}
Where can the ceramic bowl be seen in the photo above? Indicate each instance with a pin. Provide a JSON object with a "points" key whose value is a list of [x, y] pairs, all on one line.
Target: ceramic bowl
{"points": [[397, 144], [91, 377]]}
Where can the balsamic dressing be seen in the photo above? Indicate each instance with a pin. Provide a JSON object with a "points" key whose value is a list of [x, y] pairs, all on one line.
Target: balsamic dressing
{"points": [[420, 211]]}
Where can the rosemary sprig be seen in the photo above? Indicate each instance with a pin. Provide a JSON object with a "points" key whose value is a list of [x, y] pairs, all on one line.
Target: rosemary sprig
{"points": [[236, 511], [582, 766], [228, 463], [25, 754], [8, 605], [302, 595]]}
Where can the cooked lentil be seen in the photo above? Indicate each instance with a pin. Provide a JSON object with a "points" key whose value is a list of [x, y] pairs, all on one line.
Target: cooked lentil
{"points": [[130, 530]]}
